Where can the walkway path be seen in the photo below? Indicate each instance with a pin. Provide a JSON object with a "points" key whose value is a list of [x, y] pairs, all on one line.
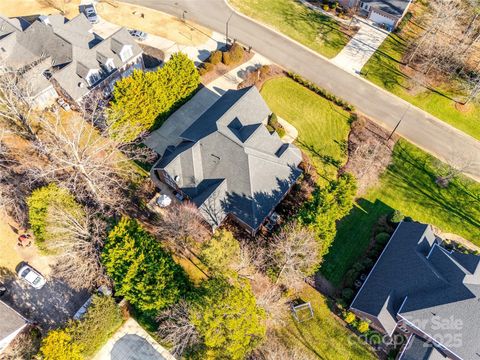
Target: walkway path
{"points": [[421, 128]]}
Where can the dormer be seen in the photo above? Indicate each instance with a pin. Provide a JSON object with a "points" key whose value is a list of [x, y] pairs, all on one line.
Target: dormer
{"points": [[91, 76], [124, 51], [106, 62]]}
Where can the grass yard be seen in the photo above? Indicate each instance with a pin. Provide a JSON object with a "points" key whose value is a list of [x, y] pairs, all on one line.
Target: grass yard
{"points": [[409, 186], [324, 336], [317, 31], [322, 126], [384, 69]]}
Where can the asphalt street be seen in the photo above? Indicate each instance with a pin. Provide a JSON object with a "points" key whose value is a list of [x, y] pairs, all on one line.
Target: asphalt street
{"points": [[421, 128]]}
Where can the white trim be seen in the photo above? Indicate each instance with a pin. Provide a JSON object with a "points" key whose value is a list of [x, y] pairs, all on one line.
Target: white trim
{"points": [[405, 347], [431, 338], [371, 271]]}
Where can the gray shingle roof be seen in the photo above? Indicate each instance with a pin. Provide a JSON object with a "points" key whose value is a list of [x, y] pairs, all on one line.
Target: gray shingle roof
{"points": [[228, 162], [392, 7], [10, 320], [73, 49], [419, 349], [423, 283]]}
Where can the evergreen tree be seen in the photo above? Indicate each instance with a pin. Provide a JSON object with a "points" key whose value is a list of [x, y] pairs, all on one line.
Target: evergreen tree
{"points": [[144, 274], [221, 252], [146, 97], [228, 319]]}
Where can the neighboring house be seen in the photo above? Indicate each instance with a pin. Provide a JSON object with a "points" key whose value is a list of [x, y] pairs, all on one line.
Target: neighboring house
{"points": [[57, 55], [228, 163], [11, 324], [426, 292], [385, 12]]}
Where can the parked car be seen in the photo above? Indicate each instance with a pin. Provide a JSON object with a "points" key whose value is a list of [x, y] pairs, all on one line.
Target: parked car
{"points": [[102, 291], [31, 276], [137, 34], [63, 104], [91, 13]]}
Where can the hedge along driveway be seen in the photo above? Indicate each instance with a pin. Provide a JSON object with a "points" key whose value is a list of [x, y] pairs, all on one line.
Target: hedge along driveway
{"points": [[311, 28]]}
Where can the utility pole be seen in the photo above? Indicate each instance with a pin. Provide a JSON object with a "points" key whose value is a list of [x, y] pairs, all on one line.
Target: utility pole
{"points": [[399, 121], [183, 15], [226, 28]]}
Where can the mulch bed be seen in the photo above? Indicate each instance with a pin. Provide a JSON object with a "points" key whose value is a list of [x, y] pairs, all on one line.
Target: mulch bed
{"points": [[257, 78]]}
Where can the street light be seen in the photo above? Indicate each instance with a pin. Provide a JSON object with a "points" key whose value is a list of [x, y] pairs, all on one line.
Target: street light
{"points": [[226, 28]]}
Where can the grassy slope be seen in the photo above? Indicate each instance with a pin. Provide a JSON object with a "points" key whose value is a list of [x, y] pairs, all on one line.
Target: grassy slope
{"points": [[384, 69], [322, 126], [324, 337], [318, 32], [409, 186]]}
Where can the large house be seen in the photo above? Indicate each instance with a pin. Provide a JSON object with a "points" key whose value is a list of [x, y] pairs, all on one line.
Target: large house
{"points": [[11, 324], [423, 290], [385, 12], [229, 164], [55, 56]]}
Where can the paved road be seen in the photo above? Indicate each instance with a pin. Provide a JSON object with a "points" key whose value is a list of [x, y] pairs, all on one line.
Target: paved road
{"points": [[419, 127]]}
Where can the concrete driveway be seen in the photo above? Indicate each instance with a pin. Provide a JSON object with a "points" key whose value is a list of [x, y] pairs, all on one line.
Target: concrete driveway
{"points": [[360, 48]]}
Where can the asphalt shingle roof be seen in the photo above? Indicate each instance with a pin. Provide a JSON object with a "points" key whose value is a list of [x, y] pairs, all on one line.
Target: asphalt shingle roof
{"points": [[418, 349], [228, 162], [418, 281], [392, 7], [10, 320]]}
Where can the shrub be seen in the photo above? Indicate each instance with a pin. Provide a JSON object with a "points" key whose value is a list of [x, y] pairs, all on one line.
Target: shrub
{"points": [[408, 219], [363, 327], [322, 92], [215, 57], [264, 70], [273, 120], [382, 238], [349, 317], [234, 55], [281, 131], [326, 7], [226, 58], [347, 294], [206, 68], [59, 345], [396, 216], [101, 321]]}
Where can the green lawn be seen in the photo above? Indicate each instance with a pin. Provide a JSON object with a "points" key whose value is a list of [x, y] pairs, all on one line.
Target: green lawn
{"points": [[319, 32], [322, 126], [384, 69], [409, 186], [324, 336]]}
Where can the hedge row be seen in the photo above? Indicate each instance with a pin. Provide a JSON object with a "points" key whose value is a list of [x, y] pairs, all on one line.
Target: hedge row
{"points": [[322, 92]]}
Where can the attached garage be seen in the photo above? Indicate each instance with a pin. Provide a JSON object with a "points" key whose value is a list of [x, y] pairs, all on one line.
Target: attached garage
{"points": [[379, 18]]}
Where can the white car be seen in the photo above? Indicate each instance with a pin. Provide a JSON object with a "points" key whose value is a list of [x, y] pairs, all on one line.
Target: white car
{"points": [[31, 276], [102, 290]]}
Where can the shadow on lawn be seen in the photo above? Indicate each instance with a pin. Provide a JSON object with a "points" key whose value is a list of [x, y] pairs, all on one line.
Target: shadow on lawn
{"points": [[352, 240]]}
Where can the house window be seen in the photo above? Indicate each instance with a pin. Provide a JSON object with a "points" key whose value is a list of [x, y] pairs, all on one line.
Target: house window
{"points": [[126, 53], [109, 65], [93, 78]]}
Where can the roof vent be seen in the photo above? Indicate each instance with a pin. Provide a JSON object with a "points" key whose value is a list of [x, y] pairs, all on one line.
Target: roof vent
{"points": [[176, 178], [80, 84]]}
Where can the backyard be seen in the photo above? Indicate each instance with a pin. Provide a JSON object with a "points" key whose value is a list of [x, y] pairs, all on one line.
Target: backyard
{"points": [[407, 185], [386, 70], [323, 336], [317, 31], [322, 126]]}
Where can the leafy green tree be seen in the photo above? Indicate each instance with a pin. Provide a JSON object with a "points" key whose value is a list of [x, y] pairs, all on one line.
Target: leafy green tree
{"points": [[228, 319], [145, 97], [221, 251], [102, 319], [59, 345], [143, 272], [46, 201], [327, 206]]}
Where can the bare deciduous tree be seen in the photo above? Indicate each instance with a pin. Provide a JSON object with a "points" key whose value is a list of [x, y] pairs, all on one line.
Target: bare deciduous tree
{"points": [[183, 226], [294, 253], [269, 297], [84, 161], [176, 328]]}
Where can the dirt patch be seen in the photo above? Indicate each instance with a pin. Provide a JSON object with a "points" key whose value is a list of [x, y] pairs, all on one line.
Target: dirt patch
{"points": [[221, 69], [260, 75], [463, 108], [369, 152]]}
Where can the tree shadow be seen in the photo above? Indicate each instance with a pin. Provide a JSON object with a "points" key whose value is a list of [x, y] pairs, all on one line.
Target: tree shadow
{"points": [[50, 307]]}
